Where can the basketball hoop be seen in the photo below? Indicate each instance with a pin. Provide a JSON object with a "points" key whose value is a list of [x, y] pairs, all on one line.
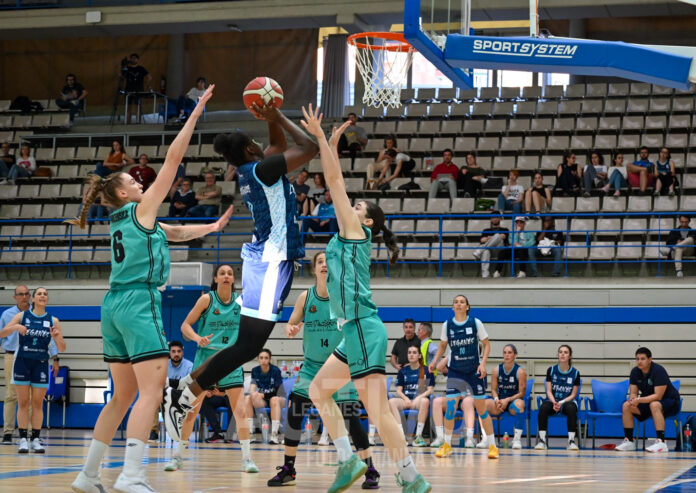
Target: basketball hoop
{"points": [[382, 70]]}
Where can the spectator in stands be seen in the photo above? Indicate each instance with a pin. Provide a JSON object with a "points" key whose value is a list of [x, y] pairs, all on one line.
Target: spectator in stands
{"points": [[266, 379], [177, 368], [537, 198], [215, 399], [7, 160], [135, 77], [471, 177], [142, 173], [444, 176], [391, 164], [511, 197], [10, 345], [658, 398], [188, 101], [321, 222], [617, 175], [680, 242], [562, 385], [316, 191], [414, 386], [184, 198], [178, 179], [399, 353], [549, 241], [25, 165], [568, 175], [301, 191], [641, 172], [665, 173], [595, 173], [494, 238], [353, 140], [520, 243], [115, 160], [427, 347], [209, 198], [72, 96]]}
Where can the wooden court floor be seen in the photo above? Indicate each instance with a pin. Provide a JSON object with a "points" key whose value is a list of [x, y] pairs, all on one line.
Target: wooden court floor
{"points": [[216, 467]]}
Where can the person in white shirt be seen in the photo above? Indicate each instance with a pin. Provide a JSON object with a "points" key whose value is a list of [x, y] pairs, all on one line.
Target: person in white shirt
{"points": [[595, 173], [24, 167], [188, 101], [512, 194]]}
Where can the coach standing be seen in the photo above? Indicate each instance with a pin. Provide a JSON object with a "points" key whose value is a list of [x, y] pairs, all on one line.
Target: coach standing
{"points": [[10, 344]]}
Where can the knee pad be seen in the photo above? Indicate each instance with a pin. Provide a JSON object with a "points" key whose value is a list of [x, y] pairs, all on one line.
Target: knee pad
{"points": [[485, 414], [513, 407]]}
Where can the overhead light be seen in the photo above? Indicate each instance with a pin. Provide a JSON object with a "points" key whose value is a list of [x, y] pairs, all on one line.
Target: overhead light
{"points": [[234, 27]]}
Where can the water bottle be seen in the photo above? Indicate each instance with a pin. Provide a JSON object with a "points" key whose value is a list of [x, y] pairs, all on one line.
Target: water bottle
{"points": [[284, 368], [687, 438], [264, 428], [506, 440], [308, 432]]}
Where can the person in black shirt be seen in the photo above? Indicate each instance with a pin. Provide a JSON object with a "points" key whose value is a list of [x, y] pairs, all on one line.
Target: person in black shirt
{"points": [[7, 160], [135, 77], [548, 234], [492, 239], [72, 96], [658, 398], [399, 354], [680, 242]]}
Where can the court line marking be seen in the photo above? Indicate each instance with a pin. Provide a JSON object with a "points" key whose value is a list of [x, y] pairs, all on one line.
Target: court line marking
{"points": [[538, 478], [65, 469], [670, 478]]}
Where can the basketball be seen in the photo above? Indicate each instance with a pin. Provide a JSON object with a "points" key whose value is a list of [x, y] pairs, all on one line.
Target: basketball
{"points": [[263, 90]]}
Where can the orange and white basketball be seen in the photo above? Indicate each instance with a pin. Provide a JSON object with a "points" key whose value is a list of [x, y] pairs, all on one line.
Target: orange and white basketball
{"points": [[263, 90]]}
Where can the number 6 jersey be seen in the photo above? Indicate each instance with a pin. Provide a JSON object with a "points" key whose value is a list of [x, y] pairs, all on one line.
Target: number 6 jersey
{"points": [[138, 255]]}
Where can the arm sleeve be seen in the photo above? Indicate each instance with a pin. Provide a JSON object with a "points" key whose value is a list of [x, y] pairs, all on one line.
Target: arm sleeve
{"points": [[443, 333], [431, 378], [400, 379], [394, 351], [482, 333], [271, 169], [633, 378], [577, 380], [548, 374], [254, 376], [660, 378]]}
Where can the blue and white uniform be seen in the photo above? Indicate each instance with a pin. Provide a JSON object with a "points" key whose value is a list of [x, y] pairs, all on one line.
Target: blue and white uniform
{"points": [[508, 383], [463, 339], [31, 366], [276, 243], [409, 380], [562, 383]]}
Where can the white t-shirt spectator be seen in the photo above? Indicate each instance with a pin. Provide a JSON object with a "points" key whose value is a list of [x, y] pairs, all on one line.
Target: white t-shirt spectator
{"points": [[195, 93], [600, 168], [28, 163], [514, 191]]}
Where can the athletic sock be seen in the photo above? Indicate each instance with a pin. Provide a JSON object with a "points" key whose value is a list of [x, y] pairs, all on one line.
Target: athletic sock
{"points": [[373, 430], [290, 461], [95, 454], [246, 448], [491, 439], [186, 381], [469, 433], [23, 433], [343, 448], [251, 424], [628, 433], [407, 469], [419, 429], [542, 435], [35, 433], [448, 438], [134, 457], [518, 434], [182, 448], [275, 426], [571, 436], [661, 434], [369, 462], [440, 431]]}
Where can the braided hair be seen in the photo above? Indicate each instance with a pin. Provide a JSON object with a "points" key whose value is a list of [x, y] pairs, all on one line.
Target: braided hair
{"points": [[96, 186], [379, 225]]}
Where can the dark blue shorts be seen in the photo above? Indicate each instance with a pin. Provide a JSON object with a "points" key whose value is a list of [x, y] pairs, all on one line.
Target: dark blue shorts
{"points": [[27, 371], [265, 285], [464, 384], [670, 407]]}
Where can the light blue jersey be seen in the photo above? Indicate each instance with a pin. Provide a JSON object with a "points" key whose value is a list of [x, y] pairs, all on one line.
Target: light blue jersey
{"points": [[274, 210]]}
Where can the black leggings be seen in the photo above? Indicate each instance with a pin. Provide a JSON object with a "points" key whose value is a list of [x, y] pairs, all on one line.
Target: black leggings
{"points": [[570, 409], [253, 334], [299, 406]]}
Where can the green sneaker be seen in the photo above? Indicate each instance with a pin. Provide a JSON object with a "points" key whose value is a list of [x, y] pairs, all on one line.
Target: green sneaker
{"points": [[419, 442], [249, 465], [174, 464], [348, 472], [418, 485]]}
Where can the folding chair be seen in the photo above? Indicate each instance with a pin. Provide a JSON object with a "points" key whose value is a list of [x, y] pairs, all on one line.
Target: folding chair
{"points": [[606, 403], [58, 388]]}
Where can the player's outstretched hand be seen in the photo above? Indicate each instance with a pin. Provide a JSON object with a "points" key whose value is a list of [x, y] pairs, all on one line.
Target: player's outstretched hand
{"points": [[22, 329], [268, 112], [312, 121], [200, 106], [336, 134], [223, 220], [293, 330]]}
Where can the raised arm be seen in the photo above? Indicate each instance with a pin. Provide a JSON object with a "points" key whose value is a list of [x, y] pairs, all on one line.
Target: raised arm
{"points": [[57, 335], [348, 223], [193, 231], [194, 316], [294, 325], [146, 211]]}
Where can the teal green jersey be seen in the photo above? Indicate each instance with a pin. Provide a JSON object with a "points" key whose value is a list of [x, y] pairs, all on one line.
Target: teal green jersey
{"points": [[138, 255], [348, 262], [320, 334], [221, 320]]}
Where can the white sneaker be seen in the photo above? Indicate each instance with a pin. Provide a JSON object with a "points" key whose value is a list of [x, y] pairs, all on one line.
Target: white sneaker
{"points": [[521, 274], [485, 275], [175, 407], [496, 274], [23, 446], [174, 464], [477, 254], [516, 445], [274, 440], [324, 440], [572, 445], [138, 484], [85, 484], [37, 446], [541, 445], [658, 446], [470, 443], [249, 465], [680, 273], [437, 442], [483, 444], [626, 446], [371, 440]]}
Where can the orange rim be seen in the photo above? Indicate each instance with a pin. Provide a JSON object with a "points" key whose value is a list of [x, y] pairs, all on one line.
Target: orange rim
{"points": [[400, 45]]}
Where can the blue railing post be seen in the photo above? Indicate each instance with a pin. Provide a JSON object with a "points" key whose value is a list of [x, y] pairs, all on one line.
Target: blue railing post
{"points": [[439, 273], [70, 251], [659, 248], [512, 248]]}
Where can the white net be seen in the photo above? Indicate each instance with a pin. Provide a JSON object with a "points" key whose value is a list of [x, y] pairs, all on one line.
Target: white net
{"points": [[383, 65]]}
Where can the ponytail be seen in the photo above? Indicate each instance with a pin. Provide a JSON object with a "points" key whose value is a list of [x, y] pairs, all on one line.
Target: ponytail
{"points": [[390, 243], [96, 186], [379, 225]]}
